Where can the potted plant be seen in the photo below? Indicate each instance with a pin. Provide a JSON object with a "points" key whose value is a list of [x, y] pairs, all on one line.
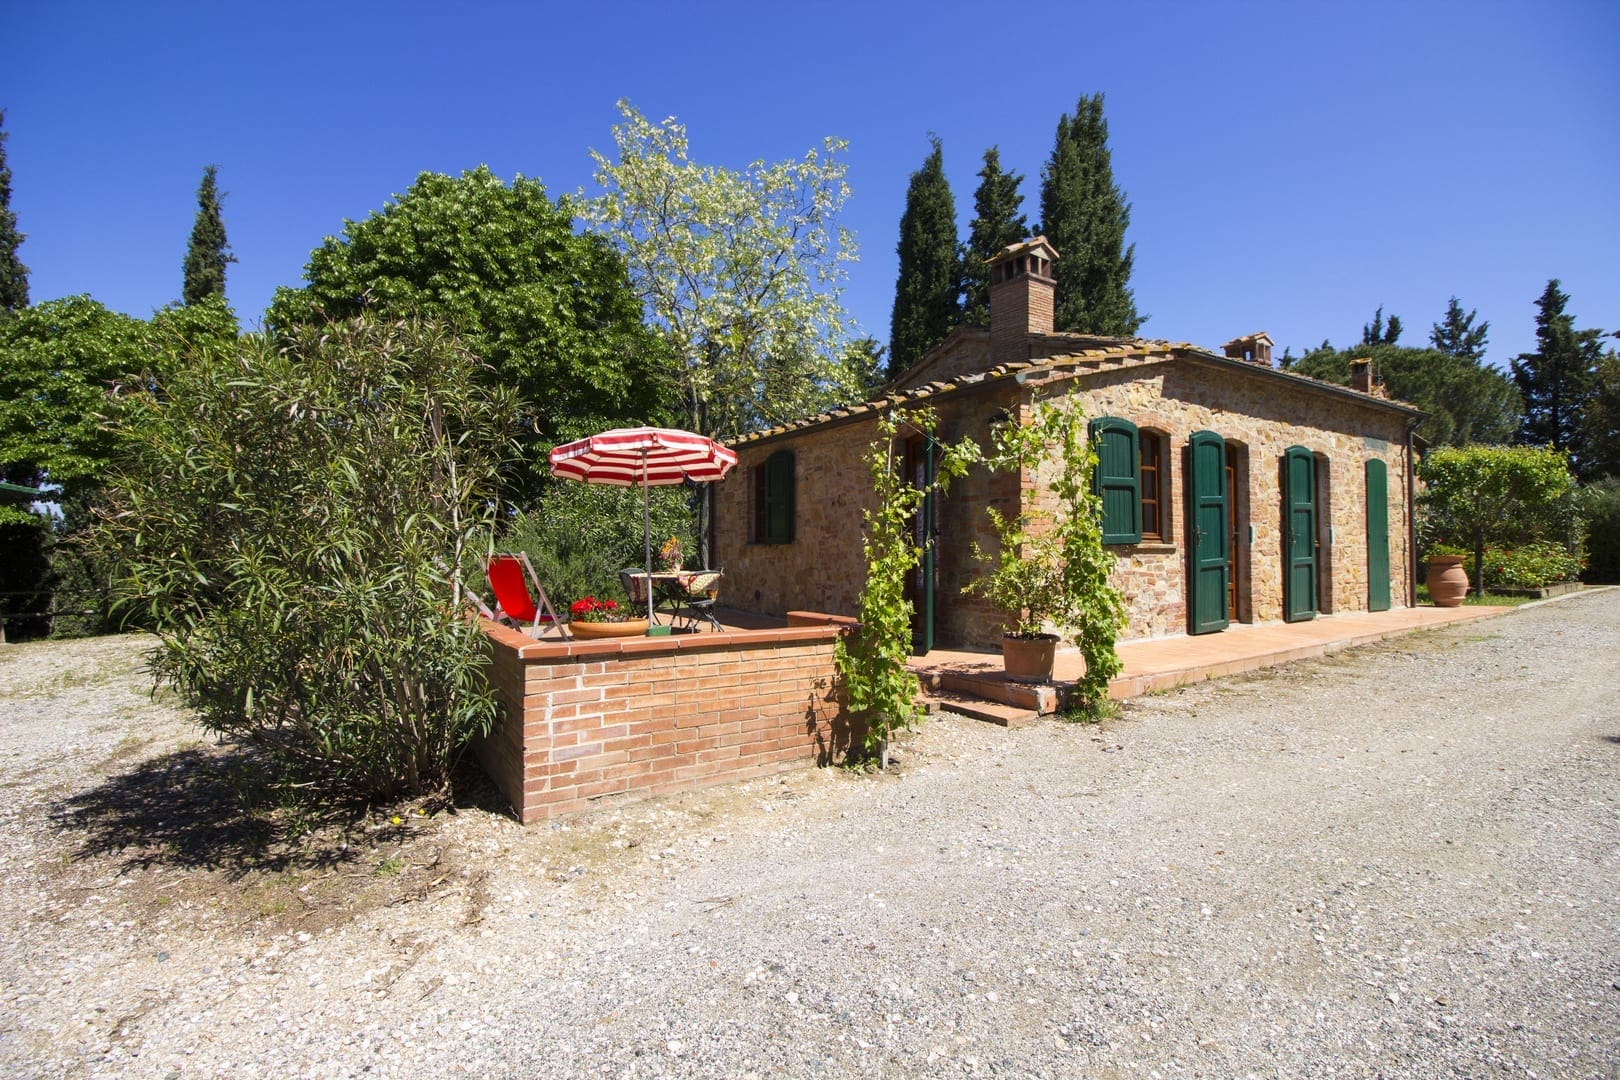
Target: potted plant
{"points": [[1026, 582], [593, 618]]}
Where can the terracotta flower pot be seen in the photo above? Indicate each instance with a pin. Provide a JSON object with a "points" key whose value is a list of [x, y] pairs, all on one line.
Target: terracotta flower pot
{"points": [[1447, 580], [627, 628], [1029, 659]]}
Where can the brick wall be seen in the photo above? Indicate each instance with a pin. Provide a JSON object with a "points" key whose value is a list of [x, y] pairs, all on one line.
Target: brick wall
{"points": [[585, 722]]}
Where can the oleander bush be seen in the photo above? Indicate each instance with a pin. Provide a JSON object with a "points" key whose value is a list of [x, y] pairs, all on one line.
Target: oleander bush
{"points": [[287, 514]]}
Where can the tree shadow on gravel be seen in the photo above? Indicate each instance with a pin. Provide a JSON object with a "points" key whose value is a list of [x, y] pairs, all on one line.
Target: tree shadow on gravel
{"points": [[206, 809], [218, 809]]}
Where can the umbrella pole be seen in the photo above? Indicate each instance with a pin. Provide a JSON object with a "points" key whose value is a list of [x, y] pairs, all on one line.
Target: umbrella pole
{"points": [[646, 536]]}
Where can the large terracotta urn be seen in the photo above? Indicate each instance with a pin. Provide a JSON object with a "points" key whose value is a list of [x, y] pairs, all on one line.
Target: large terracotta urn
{"points": [[1447, 580], [1029, 659]]}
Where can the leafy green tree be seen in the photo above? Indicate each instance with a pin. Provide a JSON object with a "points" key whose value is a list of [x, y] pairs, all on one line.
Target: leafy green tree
{"points": [[1600, 427], [996, 224], [1467, 402], [1601, 511], [1378, 332], [867, 366], [1084, 214], [208, 253], [738, 270], [286, 518], [927, 292], [1558, 380], [13, 274], [58, 361], [548, 310], [1495, 494], [1456, 334]]}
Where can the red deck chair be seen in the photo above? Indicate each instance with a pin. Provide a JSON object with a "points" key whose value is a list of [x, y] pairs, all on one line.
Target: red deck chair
{"points": [[516, 586]]}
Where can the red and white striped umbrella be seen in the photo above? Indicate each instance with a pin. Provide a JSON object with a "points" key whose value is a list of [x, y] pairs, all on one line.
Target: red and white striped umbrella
{"points": [[647, 456]]}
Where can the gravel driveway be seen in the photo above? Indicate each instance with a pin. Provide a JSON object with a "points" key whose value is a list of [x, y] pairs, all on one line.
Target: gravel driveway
{"points": [[1398, 861]]}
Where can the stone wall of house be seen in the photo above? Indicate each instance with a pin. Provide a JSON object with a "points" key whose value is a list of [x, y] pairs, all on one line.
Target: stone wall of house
{"points": [[1262, 417], [583, 722], [1172, 396]]}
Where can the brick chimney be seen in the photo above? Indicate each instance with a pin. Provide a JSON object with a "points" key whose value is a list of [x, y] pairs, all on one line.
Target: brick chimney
{"points": [[1361, 375], [1021, 297], [1255, 348]]}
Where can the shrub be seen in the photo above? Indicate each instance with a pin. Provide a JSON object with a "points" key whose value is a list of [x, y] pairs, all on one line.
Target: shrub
{"points": [[286, 514], [1532, 566], [581, 535], [1601, 503]]}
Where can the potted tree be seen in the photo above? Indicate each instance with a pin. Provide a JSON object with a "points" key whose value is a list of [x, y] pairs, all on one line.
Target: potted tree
{"points": [[1050, 574], [1026, 582]]}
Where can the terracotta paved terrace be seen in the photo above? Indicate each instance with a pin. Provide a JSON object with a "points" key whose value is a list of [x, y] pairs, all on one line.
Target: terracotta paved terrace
{"points": [[955, 678]]}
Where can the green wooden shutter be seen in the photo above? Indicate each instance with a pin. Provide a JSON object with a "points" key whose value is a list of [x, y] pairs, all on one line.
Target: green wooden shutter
{"points": [[1299, 540], [1118, 480], [1209, 533], [779, 498], [1378, 589]]}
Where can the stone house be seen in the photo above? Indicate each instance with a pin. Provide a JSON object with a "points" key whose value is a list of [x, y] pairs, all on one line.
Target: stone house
{"points": [[1234, 491]]}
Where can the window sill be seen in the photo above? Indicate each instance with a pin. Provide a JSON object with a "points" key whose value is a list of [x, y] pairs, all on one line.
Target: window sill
{"points": [[1147, 547]]}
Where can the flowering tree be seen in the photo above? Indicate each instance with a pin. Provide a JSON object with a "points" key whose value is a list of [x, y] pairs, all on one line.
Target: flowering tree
{"points": [[739, 269]]}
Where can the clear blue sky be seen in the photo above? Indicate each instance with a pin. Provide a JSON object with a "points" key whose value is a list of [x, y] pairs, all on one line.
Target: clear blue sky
{"points": [[1291, 166]]}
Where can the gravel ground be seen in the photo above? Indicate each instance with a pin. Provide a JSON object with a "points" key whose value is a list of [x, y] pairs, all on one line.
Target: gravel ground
{"points": [[1399, 861]]}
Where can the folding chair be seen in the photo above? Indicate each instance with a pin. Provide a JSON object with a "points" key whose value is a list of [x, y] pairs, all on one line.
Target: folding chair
{"points": [[701, 590], [515, 584]]}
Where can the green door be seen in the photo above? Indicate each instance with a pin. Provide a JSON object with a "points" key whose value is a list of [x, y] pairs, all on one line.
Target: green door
{"points": [[1299, 534], [1208, 521], [1377, 535]]}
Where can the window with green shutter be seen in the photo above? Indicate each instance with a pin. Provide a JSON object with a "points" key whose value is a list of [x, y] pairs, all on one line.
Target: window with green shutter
{"points": [[1118, 480], [773, 499]]}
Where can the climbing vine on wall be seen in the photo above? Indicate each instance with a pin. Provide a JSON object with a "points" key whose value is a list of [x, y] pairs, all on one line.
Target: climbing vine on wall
{"points": [[871, 660], [1085, 607]]}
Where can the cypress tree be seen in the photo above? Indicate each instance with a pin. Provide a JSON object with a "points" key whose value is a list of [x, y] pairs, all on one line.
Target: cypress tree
{"points": [[1378, 332], [1457, 335], [1084, 214], [996, 223], [1557, 381], [13, 274], [208, 251], [927, 292]]}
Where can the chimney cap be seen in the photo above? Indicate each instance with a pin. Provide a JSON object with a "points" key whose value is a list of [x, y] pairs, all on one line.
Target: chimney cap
{"points": [[1034, 245], [1250, 339]]}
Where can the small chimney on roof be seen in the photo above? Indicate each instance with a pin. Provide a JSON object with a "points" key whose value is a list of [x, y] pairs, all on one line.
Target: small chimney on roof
{"points": [[1022, 292], [1255, 348], [1361, 375]]}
